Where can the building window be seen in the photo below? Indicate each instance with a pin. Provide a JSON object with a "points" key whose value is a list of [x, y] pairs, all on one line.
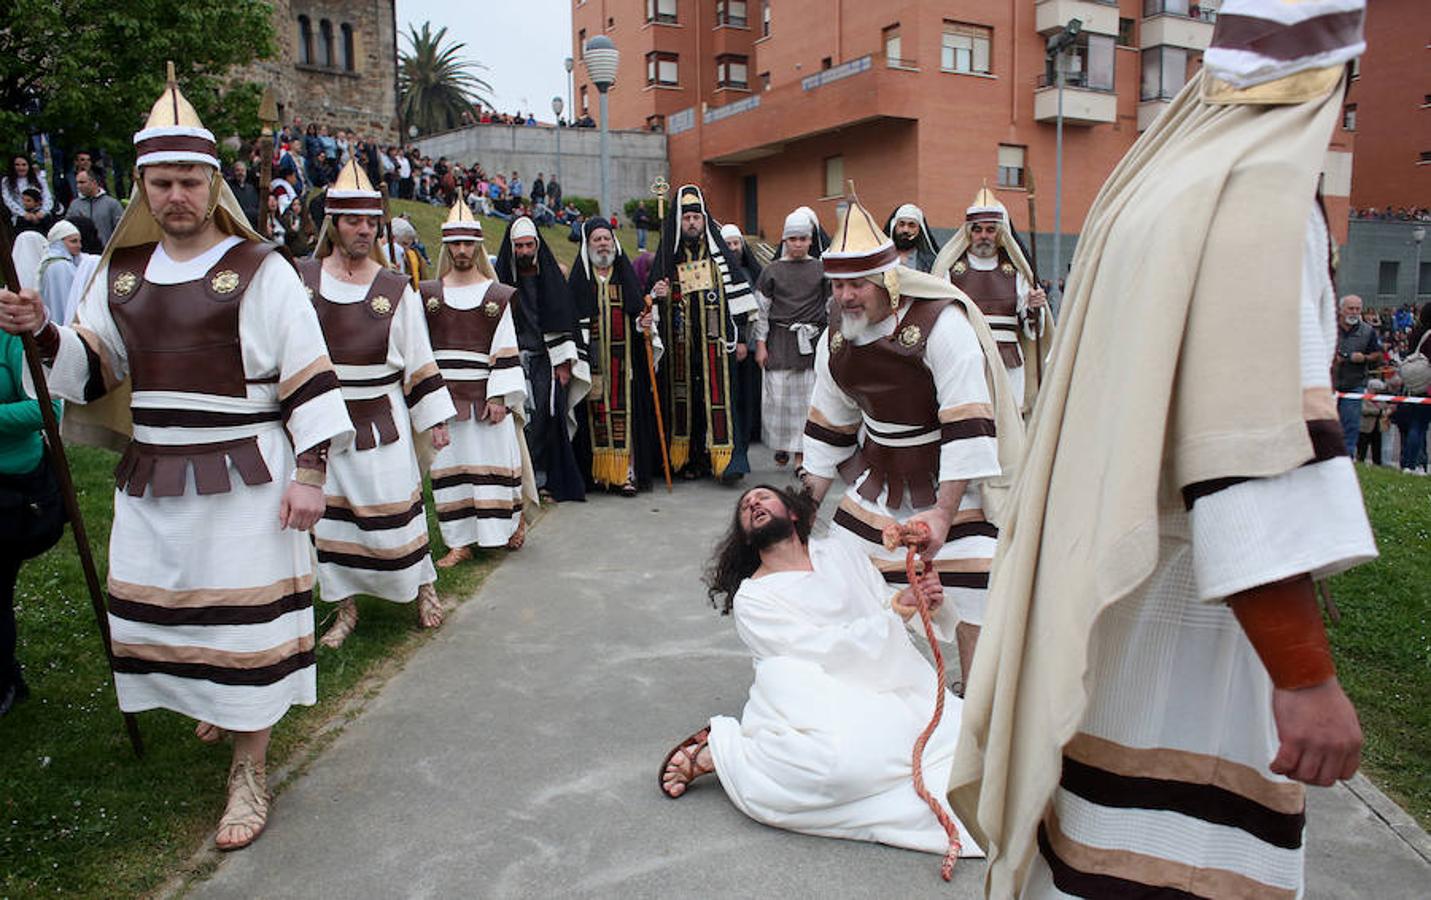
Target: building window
{"points": [[581, 44], [1355, 69], [765, 18], [965, 48], [1349, 117], [1388, 273], [1425, 158], [731, 12], [305, 41], [889, 39], [834, 176], [1424, 285], [325, 43], [827, 62], [765, 81], [349, 63], [1089, 63], [1192, 9], [1011, 166], [732, 71], [661, 11], [1127, 36], [1164, 72], [585, 102], [662, 68], [656, 123]]}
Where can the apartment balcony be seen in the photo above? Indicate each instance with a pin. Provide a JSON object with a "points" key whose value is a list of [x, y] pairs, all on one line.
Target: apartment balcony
{"points": [[1149, 110], [1082, 105], [1098, 17], [1175, 30]]}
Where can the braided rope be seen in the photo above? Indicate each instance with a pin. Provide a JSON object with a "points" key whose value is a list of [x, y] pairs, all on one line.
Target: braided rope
{"points": [[914, 537]]}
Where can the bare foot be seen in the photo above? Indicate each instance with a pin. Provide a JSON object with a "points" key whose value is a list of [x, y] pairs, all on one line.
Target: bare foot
{"points": [[687, 762], [429, 607], [210, 733], [519, 537]]}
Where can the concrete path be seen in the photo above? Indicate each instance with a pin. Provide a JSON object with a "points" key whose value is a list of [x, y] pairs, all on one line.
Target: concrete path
{"points": [[516, 755]]}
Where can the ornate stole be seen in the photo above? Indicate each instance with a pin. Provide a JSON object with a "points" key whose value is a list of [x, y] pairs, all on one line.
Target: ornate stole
{"points": [[609, 403], [699, 324]]}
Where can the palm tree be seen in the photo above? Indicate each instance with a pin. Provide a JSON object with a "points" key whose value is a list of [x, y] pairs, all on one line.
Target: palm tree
{"points": [[435, 85]]}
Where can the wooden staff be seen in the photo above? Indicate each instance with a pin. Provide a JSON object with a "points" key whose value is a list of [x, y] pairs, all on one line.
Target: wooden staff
{"points": [[1033, 261], [388, 225], [61, 466], [656, 398], [268, 114]]}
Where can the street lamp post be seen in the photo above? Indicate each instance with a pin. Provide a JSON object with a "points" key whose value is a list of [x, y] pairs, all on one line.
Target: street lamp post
{"points": [[569, 64], [556, 111], [1418, 234], [602, 58], [1057, 49]]}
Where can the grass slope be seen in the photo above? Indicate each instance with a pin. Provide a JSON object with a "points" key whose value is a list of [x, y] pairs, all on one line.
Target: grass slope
{"points": [[428, 219], [78, 813]]}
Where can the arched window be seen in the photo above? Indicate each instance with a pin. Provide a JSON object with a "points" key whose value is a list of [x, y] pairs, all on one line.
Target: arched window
{"points": [[349, 64], [305, 41], [325, 51]]}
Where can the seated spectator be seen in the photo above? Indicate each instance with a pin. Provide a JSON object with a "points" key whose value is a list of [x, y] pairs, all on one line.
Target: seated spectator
{"points": [[34, 216]]}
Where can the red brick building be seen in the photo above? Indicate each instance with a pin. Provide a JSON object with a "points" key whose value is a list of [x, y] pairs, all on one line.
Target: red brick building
{"points": [[771, 104], [1389, 108]]}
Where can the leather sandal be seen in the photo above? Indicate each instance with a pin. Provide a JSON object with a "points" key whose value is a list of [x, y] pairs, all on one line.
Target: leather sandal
{"points": [[248, 802], [688, 766], [628, 489], [429, 607], [519, 537], [454, 556], [343, 625]]}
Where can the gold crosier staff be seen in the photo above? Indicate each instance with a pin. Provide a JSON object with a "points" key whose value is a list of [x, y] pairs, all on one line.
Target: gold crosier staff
{"points": [[660, 187]]}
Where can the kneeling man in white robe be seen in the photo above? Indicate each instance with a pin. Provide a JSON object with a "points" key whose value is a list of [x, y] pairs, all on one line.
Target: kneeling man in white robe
{"points": [[824, 745]]}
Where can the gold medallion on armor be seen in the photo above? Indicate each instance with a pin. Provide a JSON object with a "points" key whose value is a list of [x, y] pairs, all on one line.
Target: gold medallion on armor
{"points": [[433, 304], [225, 282], [491, 309], [310, 292], [837, 340], [960, 268], [694, 277], [1007, 268], [909, 335], [382, 305], [125, 283]]}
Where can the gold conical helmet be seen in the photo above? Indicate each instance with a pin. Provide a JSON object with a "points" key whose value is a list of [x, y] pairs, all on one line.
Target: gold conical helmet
{"points": [[351, 194], [986, 208], [461, 225], [173, 132], [859, 247]]}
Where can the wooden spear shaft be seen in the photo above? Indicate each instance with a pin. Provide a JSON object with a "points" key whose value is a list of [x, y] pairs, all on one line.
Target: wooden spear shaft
{"points": [[1033, 261], [62, 475]]}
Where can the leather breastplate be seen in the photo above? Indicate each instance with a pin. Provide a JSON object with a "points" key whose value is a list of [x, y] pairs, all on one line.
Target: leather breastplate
{"points": [[357, 334], [890, 383], [183, 337], [471, 330], [996, 293]]}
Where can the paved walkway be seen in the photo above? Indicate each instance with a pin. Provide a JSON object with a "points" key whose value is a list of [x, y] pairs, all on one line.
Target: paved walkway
{"points": [[516, 755]]}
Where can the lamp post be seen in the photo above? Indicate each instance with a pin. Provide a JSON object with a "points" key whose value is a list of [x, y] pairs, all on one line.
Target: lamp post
{"points": [[556, 111], [569, 64], [1418, 234], [1056, 51], [602, 58]]}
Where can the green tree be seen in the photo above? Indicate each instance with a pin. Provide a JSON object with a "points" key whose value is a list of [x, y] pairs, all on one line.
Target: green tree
{"points": [[88, 71], [435, 85]]}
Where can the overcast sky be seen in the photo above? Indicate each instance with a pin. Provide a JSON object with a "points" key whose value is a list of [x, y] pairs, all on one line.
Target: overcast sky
{"points": [[523, 43]]}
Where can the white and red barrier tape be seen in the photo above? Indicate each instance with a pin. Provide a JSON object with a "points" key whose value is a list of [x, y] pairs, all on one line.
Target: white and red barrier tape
{"points": [[1382, 398]]}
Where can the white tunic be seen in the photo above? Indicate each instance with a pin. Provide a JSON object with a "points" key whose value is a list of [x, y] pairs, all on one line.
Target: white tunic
{"points": [[841, 693], [1166, 784], [372, 538], [210, 600], [477, 479]]}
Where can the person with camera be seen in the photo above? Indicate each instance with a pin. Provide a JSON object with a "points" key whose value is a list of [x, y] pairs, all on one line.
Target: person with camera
{"points": [[1358, 348]]}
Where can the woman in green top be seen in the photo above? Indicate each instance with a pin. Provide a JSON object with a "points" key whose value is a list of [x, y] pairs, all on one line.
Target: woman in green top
{"points": [[31, 518]]}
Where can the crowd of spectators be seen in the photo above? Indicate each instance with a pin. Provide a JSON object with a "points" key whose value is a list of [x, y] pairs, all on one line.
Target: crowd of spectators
{"points": [[1393, 214], [485, 116]]}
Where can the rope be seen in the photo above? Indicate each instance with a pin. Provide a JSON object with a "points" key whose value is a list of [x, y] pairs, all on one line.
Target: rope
{"points": [[915, 537]]}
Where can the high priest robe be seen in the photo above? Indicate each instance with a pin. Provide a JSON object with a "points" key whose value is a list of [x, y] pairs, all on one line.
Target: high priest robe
{"points": [[211, 610], [477, 478], [824, 744], [372, 538]]}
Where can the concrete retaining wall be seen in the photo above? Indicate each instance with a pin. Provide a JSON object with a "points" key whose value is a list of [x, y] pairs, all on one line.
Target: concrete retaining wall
{"points": [[637, 157]]}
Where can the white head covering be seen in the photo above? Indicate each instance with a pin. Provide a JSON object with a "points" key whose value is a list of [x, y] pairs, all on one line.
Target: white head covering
{"points": [[61, 230], [28, 252], [911, 212], [1256, 41], [523, 227], [728, 231], [798, 224]]}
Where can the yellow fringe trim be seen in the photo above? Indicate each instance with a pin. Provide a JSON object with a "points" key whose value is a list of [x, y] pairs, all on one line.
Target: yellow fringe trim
{"points": [[720, 458], [680, 453], [610, 466]]}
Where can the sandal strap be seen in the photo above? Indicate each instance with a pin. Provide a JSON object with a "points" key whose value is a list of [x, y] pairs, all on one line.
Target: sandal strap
{"points": [[248, 796]]}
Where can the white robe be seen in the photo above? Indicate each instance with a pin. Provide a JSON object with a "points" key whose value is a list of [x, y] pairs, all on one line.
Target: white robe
{"points": [[824, 744]]}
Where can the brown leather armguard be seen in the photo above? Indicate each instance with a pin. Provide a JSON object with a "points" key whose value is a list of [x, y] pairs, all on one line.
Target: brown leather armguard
{"points": [[1284, 624], [48, 340], [312, 466]]}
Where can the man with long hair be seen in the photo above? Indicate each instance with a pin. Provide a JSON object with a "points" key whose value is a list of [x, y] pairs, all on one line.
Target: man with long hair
{"points": [[840, 692]]}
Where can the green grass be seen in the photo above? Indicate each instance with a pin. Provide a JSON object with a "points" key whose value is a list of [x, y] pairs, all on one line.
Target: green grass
{"points": [[78, 813], [428, 219], [1383, 642]]}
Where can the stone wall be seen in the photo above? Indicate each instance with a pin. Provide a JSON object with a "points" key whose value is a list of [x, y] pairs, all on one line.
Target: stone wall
{"points": [[637, 157], [362, 98], [1373, 245]]}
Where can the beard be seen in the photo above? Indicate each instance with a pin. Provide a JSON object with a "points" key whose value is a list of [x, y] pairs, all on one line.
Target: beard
{"points": [[526, 262], [603, 260], [355, 250], [463, 263], [905, 241], [983, 248], [777, 529], [180, 223], [855, 326]]}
